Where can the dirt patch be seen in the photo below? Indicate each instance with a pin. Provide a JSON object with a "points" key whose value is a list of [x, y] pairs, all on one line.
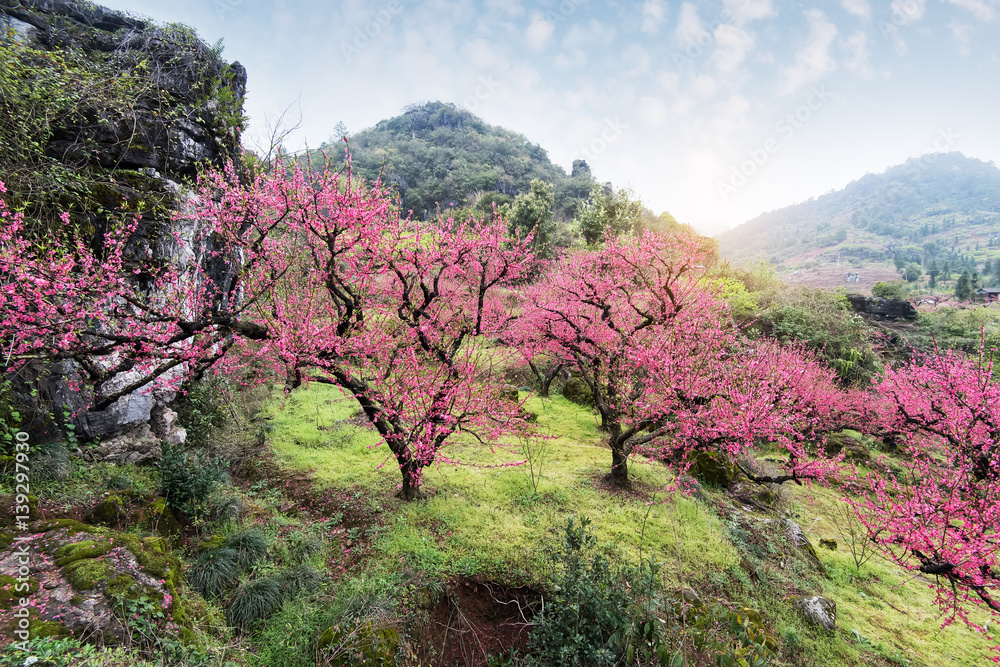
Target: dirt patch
{"points": [[474, 620]]}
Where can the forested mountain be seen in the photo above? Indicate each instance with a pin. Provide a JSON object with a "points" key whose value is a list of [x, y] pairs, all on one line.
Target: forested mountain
{"points": [[439, 155], [942, 208]]}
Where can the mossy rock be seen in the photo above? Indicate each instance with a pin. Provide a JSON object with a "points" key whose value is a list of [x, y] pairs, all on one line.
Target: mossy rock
{"points": [[38, 627], [86, 574], [371, 644], [211, 542], [713, 468], [853, 444], [578, 391], [113, 511], [8, 505], [12, 590], [828, 544], [768, 496], [70, 553]]}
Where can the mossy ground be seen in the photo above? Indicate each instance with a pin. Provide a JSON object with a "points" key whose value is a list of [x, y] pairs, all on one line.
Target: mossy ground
{"points": [[486, 521]]}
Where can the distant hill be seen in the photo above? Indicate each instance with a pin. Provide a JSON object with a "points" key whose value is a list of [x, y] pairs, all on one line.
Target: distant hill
{"points": [[438, 155], [941, 209]]}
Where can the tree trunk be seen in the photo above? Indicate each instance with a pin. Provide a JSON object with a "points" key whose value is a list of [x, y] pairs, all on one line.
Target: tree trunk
{"points": [[619, 468], [411, 482]]}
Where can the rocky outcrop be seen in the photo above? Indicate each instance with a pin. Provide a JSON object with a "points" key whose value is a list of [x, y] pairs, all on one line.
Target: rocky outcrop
{"points": [[185, 108], [817, 609], [66, 579], [880, 309]]}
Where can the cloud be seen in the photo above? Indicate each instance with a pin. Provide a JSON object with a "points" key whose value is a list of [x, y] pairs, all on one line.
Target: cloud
{"points": [[858, 54], [654, 13], [635, 61], [652, 111], [813, 61], [981, 10], [744, 11], [689, 28], [962, 34], [905, 12], [538, 32], [857, 7], [733, 45]]}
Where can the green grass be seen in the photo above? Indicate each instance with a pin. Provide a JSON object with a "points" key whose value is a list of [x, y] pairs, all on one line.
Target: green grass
{"points": [[484, 519]]}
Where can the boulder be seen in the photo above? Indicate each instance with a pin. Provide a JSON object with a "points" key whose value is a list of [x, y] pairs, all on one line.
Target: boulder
{"points": [[578, 391], [136, 446], [852, 444], [85, 579], [371, 643], [880, 309], [817, 609], [713, 468], [798, 538]]}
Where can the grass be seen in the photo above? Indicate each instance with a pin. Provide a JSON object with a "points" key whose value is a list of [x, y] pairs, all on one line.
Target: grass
{"points": [[485, 520]]}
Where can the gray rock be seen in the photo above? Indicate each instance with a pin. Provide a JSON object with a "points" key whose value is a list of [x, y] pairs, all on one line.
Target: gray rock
{"points": [[880, 309], [817, 609], [136, 446]]}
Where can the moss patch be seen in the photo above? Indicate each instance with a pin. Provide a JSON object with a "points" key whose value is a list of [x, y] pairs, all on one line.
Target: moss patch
{"points": [[85, 574], [70, 553], [12, 590]]}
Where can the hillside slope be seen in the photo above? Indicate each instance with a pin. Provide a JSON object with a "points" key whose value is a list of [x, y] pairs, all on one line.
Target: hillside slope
{"points": [[440, 155], [940, 208]]}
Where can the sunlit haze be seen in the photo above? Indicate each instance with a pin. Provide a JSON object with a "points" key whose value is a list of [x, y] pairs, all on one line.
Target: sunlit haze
{"points": [[715, 112]]}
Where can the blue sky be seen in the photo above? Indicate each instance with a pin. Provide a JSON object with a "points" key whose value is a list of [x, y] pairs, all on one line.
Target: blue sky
{"points": [[715, 111]]}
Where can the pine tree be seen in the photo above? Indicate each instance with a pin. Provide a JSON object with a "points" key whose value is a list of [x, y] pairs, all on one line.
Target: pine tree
{"points": [[963, 288]]}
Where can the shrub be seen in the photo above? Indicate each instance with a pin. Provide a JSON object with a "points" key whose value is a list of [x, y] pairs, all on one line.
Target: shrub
{"points": [[187, 481], [215, 572], [250, 546], [254, 601], [300, 579], [896, 289]]}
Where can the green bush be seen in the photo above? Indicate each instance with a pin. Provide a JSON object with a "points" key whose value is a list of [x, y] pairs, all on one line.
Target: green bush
{"points": [[187, 481], [215, 572], [250, 546], [254, 602], [896, 289]]}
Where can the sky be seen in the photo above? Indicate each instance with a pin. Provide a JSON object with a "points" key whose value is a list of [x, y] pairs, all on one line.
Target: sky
{"points": [[714, 111]]}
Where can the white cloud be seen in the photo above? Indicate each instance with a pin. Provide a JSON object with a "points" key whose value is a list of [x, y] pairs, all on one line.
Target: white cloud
{"points": [[905, 12], [858, 54], [635, 61], [654, 13], [689, 27], [857, 7], [733, 45], [980, 9], [744, 11], [652, 111], [538, 32], [962, 34], [813, 61]]}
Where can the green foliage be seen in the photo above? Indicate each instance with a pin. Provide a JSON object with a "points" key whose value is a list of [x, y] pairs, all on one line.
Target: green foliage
{"points": [[250, 546], [254, 601], [912, 272], [531, 213], [49, 652], [891, 290], [587, 620], [202, 409], [826, 321], [214, 573], [438, 156], [935, 199], [608, 214], [187, 481], [963, 288]]}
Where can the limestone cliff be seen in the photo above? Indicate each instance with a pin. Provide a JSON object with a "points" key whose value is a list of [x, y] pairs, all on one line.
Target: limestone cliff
{"points": [[130, 110]]}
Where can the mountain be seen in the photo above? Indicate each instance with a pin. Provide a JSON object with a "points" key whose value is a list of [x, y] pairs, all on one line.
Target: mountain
{"points": [[440, 155], [937, 210]]}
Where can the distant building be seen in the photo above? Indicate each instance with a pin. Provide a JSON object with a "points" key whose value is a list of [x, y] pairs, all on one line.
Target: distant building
{"points": [[988, 294], [851, 278]]}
